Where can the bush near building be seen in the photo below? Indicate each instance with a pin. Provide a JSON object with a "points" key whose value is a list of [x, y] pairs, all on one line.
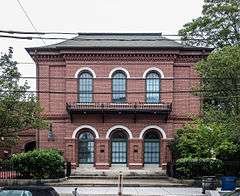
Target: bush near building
{"points": [[198, 167], [39, 164]]}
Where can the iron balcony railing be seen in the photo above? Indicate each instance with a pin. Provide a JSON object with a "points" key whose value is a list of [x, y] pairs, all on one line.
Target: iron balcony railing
{"points": [[138, 107]]}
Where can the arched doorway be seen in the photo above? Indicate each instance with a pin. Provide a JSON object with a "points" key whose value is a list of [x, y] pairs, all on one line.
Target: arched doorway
{"points": [[119, 145], [86, 147], [30, 146], [151, 147]]}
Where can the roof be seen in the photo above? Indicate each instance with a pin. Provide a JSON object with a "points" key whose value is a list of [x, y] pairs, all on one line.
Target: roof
{"points": [[117, 40]]}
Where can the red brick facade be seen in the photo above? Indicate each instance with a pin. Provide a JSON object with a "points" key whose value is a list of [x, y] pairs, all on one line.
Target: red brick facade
{"points": [[64, 64]]}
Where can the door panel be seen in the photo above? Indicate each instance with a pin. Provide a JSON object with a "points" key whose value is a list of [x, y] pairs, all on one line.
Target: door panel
{"points": [[119, 151], [86, 152], [151, 151]]}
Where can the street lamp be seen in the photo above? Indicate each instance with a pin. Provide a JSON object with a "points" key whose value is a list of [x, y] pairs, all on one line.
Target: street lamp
{"points": [[51, 135]]}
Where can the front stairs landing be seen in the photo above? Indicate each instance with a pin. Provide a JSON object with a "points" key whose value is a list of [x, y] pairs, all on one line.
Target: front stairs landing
{"points": [[146, 177]]}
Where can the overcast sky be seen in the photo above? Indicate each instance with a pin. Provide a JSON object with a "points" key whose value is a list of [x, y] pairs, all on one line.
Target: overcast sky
{"points": [[166, 16]]}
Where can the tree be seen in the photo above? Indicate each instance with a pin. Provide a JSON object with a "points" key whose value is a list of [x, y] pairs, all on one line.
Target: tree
{"points": [[221, 79], [19, 110], [218, 26], [203, 138], [216, 132]]}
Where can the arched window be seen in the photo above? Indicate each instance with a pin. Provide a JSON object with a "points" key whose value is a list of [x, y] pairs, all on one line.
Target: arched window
{"points": [[85, 87], [152, 87], [119, 85]]}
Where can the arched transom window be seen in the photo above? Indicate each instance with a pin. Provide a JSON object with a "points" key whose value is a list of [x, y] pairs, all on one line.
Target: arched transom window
{"points": [[85, 87], [119, 85], [153, 87]]}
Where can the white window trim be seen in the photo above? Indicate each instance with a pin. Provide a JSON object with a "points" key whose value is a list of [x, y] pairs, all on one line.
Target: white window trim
{"points": [[85, 127], [153, 127], [153, 69], [119, 127], [85, 69], [119, 69]]}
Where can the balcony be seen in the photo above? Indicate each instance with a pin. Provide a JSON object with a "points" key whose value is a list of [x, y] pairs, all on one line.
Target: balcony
{"points": [[162, 109]]}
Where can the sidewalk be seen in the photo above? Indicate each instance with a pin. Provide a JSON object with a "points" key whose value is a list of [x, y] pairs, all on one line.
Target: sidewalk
{"points": [[85, 182], [110, 191]]}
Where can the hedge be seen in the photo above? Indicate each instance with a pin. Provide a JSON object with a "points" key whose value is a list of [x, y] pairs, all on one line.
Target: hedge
{"points": [[39, 164], [198, 167]]}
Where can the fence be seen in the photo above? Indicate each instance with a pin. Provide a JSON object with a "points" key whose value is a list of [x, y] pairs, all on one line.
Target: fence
{"points": [[7, 171], [230, 168]]}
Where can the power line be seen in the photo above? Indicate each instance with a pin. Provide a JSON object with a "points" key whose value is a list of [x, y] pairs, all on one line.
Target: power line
{"points": [[36, 33], [65, 33], [110, 93], [19, 63], [77, 39], [131, 78], [29, 19]]}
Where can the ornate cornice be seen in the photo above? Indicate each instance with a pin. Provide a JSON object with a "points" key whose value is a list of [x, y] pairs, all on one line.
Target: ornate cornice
{"points": [[118, 56]]}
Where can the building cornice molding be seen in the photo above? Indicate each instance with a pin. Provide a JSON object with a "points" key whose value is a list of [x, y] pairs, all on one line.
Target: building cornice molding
{"points": [[159, 55]]}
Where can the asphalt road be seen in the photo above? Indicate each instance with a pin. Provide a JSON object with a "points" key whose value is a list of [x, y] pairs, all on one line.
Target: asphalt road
{"points": [[109, 191]]}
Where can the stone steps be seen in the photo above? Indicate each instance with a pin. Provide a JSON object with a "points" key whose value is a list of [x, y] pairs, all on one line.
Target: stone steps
{"points": [[76, 176], [83, 182]]}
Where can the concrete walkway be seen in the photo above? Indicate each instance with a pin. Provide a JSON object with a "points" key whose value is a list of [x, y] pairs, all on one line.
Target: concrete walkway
{"points": [[112, 191], [114, 182], [89, 170]]}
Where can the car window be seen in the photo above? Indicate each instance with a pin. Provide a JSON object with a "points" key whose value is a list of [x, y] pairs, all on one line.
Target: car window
{"points": [[15, 193], [54, 193]]}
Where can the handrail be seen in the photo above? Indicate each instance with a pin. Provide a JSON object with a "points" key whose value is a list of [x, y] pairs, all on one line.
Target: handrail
{"points": [[126, 106]]}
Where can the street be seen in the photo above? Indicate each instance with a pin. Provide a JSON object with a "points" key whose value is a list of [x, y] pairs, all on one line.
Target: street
{"points": [[132, 191]]}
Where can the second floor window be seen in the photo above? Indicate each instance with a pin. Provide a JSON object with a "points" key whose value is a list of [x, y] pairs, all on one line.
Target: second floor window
{"points": [[85, 87], [119, 85], [152, 87]]}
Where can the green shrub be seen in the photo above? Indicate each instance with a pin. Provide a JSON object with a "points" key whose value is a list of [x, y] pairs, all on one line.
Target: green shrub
{"points": [[39, 164], [198, 167]]}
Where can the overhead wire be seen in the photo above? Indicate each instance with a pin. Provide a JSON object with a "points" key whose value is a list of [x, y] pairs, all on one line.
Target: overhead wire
{"points": [[131, 78], [29, 19], [109, 93], [77, 39], [74, 33]]}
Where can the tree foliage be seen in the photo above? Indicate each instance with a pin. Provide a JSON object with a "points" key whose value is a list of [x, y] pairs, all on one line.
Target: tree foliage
{"points": [[207, 139], [218, 26], [19, 110], [221, 78], [216, 133], [39, 164]]}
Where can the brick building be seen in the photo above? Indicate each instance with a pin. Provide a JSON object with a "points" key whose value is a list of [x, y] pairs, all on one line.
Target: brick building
{"points": [[114, 98]]}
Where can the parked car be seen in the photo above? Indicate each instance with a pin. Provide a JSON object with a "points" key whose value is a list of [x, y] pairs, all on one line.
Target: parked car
{"points": [[233, 193], [28, 191]]}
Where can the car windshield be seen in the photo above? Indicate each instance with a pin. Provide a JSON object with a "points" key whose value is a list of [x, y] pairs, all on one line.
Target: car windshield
{"points": [[15, 193]]}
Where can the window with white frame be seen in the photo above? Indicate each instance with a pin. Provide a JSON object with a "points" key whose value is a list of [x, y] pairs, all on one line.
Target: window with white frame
{"points": [[119, 85], [152, 87], [85, 87]]}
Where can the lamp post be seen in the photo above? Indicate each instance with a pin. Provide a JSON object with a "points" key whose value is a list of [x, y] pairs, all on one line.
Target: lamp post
{"points": [[50, 133]]}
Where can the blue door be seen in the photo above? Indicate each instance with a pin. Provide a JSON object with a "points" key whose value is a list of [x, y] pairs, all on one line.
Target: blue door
{"points": [[151, 147], [86, 148], [119, 151], [119, 146]]}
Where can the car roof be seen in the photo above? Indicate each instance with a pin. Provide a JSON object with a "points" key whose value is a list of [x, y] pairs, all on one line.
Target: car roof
{"points": [[28, 188]]}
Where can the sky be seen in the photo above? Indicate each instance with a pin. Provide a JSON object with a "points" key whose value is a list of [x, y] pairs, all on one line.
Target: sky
{"points": [[151, 16]]}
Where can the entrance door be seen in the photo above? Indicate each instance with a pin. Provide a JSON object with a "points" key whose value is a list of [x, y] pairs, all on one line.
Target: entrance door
{"points": [[119, 145], [119, 151], [86, 148], [151, 148]]}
